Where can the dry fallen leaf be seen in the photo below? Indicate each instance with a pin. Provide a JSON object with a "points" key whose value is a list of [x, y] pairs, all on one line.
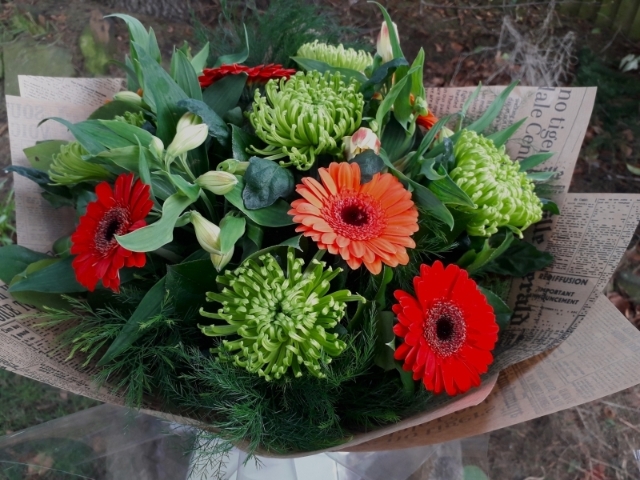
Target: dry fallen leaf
{"points": [[39, 464], [457, 47]]}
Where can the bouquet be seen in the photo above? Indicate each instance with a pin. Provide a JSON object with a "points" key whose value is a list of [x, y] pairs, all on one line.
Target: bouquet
{"points": [[289, 257]]}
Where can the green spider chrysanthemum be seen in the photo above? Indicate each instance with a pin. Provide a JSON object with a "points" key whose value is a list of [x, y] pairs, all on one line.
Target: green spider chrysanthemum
{"points": [[282, 318], [336, 56], [305, 116], [504, 195], [68, 167]]}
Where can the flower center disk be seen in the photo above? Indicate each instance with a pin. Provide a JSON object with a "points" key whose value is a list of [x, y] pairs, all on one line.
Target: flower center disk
{"points": [[445, 329], [115, 222], [357, 217]]}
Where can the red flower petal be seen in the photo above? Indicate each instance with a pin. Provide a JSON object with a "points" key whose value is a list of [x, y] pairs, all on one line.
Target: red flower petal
{"points": [[116, 211], [258, 74], [449, 330]]}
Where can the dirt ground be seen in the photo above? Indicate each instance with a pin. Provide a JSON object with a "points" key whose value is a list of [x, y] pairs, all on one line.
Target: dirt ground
{"points": [[596, 441]]}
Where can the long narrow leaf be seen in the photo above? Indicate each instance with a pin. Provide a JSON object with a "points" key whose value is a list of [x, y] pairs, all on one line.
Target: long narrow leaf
{"points": [[535, 160], [150, 306], [492, 112], [158, 234], [503, 136]]}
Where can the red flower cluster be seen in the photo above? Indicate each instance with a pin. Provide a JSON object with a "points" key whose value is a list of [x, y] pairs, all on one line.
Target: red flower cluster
{"points": [[260, 74], [117, 211], [449, 330]]}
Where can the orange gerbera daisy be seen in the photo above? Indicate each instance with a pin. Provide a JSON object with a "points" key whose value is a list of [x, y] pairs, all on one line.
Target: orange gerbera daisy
{"points": [[370, 223]]}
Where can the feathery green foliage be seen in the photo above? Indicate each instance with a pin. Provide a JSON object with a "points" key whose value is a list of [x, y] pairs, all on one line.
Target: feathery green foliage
{"points": [[143, 369], [275, 34], [308, 412]]}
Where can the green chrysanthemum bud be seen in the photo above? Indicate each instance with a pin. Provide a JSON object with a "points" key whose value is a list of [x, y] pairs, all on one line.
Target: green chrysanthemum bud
{"points": [[282, 318], [68, 167], [305, 116], [339, 56], [135, 119], [503, 194]]}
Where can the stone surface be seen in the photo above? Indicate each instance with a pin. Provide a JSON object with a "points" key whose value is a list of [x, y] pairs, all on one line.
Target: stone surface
{"points": [[26, 57]]}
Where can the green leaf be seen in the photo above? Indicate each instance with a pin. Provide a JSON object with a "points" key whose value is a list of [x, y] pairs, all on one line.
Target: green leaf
{"points": [[473, 261], [369, 163], [199, 61], [423, 196], [292, 242], [143, 168], [59, 277], [217, 127], [42, 300], [448, 191], [501, 137], [225, 93], [402, 108], [468, 102], [92, 135], [385, 280], [385, 341], [191, 191], [125, 159], [163, 93], [322, 67], [115, 108], [133, 83], [520, 259], [240, 142], [188, 282], [540, 176], [265, 182], [137, 32], [535, 160], [492, 112], [41, 178], [130, 133], [235, 57], [154, 236], [380, 75], [231, 229], [15, 259], [389, 100], [396, 141], [417, 78], [41, 154], [154, 49], [549, 206], [150, 306], [428, 139], [274, 216], [185, 76], [500, 309]]}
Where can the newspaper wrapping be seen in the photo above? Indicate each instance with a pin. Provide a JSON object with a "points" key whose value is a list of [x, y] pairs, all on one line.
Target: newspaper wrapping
{"points": [[566, 345]]}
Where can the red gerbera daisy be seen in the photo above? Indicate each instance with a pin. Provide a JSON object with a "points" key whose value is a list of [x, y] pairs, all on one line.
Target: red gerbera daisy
{"points": [[259, 74], [370, 223], [449, 331], [116, 212], [427, 121]]}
